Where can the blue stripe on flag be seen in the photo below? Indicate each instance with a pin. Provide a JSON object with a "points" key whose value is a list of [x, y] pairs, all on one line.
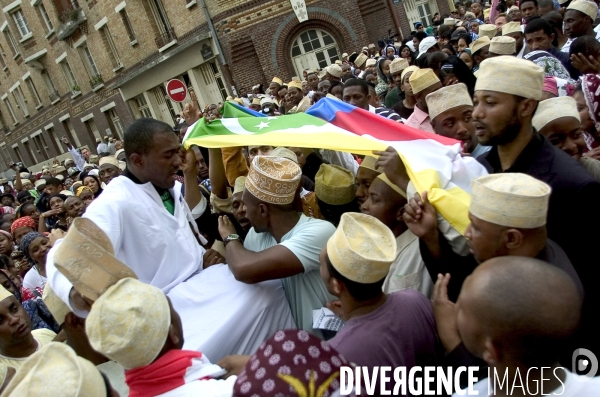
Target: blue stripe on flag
{"points": [[326, 109]]}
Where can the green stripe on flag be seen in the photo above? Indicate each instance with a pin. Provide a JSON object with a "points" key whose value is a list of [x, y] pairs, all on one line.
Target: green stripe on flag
{"points": [[230, 111], [253, 125]]}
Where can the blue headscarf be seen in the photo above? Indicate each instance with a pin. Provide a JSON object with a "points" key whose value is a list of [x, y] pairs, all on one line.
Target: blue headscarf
{"points": [[26, 241]]}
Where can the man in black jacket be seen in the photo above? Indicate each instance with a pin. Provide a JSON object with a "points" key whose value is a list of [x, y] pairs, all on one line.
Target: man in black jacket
{"points": [[502, 117]]}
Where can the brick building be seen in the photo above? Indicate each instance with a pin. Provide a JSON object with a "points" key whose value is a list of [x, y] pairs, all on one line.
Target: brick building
{"points": [[86, 68]]}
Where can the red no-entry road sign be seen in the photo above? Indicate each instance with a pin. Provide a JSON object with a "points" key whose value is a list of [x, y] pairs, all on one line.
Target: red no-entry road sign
{"points": [[176, 90]]}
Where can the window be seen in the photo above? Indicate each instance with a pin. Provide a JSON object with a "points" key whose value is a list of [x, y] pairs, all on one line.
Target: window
{"points": [[113, 119], [128, 26], [20, 99], [2, 58], [73, 138], [12, 42], [69, 76], [142, 106], [425, 14], [165, 34], [3, 122], [18, 153], [30, 151], [6, 153], [40, 146], [10, 110], [89, 60], [33, 92], [21, 23], [45, 17], [50, 85], [56, 144], [160, 17], [313, 49], [91, 126], [111, 49]]}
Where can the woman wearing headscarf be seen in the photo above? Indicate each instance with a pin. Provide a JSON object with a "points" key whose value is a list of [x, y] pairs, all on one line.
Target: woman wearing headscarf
{"points": [[383, 70], [35, 247], [551, 65], [406, 53], [467, 58], [93, 183], [454, 70], [21, 227], [85, 194], [588, 103], [31, 300], [390, 52], [473, 28], [6, 243]]}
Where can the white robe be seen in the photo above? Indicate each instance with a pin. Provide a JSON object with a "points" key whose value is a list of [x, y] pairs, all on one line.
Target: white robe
{"points": [[219, 314]]}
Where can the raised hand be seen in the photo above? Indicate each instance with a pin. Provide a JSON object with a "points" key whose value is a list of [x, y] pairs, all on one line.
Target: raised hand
{"points": [[420, 216], [390, 162], [444, 311]]}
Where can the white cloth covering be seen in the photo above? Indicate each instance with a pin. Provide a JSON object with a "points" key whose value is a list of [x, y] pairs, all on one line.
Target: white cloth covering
{"points": [[219, 314], [194, 386], [222, 316]]}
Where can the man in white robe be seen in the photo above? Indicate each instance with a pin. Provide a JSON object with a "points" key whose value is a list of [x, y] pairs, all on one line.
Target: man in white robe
{"points": [[153, 232]]}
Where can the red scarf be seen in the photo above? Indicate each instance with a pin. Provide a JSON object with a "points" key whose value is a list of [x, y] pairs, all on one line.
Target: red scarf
{"points": [[163, 375]]}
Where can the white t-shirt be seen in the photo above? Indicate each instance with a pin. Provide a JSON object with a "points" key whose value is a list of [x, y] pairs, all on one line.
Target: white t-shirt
{"points": [[33, 279], [306, 291], [574, 386]]}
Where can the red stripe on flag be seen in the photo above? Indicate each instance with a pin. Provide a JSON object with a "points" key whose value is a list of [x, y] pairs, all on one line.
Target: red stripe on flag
{"points": [[362, 122]]}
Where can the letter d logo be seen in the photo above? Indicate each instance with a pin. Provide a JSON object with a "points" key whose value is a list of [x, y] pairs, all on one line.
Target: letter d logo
{"points": [[584, 360]]}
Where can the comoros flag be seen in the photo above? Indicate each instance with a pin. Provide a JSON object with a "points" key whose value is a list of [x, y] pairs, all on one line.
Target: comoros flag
{"points": [[434, 163]]}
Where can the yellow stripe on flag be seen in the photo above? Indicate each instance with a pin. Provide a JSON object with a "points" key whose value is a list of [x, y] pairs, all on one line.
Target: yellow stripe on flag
{"points": [[452, 204]]}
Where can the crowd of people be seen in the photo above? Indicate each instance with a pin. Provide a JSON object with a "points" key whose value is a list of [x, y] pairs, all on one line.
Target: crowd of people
{"points": [[151, 270]]}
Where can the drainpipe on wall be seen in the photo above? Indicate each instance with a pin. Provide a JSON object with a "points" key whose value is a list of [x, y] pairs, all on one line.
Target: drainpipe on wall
{"points": [[213, 32], [395, 18]]}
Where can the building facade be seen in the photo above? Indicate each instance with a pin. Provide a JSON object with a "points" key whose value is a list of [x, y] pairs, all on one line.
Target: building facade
{"points": [[85, 69]]}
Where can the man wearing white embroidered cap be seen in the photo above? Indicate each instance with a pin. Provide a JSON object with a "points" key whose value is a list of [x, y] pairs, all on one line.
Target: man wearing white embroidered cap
{"points": [[496, 230], [450, 111], [135, 324], [282, 244], [480, 51], [503, 45], [354, 266], [558, 120], [422, 82], [396, 95], [513, 29], [503, 119], [334, 73], [579, 21], [109, 169]]}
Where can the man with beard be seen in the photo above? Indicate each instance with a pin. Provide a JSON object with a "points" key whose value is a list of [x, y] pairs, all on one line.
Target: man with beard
{"points": [[450, 110], [503, 119]]}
